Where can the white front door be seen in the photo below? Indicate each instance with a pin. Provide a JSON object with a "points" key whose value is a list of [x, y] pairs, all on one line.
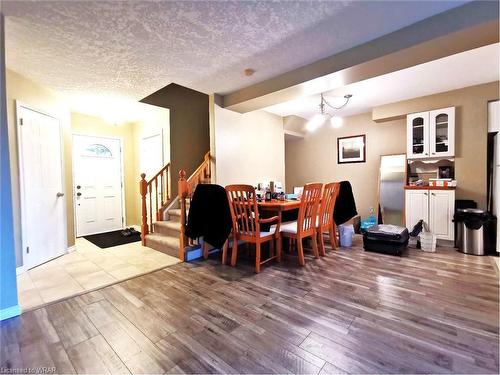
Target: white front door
{"points": [[97, 179], [43, 211]]}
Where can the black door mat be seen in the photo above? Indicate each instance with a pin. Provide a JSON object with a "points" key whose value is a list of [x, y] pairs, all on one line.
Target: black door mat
{"points": [[115, 238]]}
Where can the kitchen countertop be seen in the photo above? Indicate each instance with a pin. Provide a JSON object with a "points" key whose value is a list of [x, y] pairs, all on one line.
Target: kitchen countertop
{"points": [[427, 187]]}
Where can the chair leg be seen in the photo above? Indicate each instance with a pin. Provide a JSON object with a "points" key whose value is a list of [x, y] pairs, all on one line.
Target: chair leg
{"points": [[205, 250], [224, 251], [300, 252], [315, 245], [271, 248], [332, 236], [279, 246], [322, 250], [234, 254], [336, 244], [257, 257]]}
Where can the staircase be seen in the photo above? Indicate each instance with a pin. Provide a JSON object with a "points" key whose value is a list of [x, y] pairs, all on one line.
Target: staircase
{"points": [[164, 218], [165, 236]]}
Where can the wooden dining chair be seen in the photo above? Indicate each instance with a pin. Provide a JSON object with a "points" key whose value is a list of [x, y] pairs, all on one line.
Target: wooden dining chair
{"points": [[305, 226], [326, 222], [246, 224]]}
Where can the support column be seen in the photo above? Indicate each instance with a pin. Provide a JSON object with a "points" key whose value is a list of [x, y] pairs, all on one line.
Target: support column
{"points": [[9, 306]]}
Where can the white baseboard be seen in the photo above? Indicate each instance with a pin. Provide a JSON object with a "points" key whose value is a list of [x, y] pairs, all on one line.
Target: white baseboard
{"points": [[10, 312], [20, 270]]}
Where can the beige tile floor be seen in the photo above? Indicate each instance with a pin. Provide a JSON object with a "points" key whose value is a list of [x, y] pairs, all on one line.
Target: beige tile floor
{"points": [[85, 269]]}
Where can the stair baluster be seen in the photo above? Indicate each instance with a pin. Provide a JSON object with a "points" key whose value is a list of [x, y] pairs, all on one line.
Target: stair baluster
{"points": [[186, 188], [159, 185]]}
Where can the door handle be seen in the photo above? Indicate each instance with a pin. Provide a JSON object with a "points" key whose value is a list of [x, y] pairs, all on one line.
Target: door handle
{"points": [[60, 195]]}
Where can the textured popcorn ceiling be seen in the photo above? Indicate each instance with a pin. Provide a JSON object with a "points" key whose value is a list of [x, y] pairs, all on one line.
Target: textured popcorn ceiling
{"points": [[95, 52]]}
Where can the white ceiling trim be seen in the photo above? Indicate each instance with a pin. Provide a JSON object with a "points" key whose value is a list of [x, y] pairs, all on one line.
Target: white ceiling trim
{"points": [[464, 69]]}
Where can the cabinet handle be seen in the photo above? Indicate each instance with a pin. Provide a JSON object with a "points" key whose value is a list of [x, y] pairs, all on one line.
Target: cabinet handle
{"points": [[433, 193], [427, 153], [426, 194]]}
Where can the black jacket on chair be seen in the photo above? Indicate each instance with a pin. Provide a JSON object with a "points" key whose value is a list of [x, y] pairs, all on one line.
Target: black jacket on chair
{"points": [[345, 206], [209, 215]]}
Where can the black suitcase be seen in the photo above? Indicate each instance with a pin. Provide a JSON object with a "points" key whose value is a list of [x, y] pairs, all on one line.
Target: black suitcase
{"points": [[385, 238]]}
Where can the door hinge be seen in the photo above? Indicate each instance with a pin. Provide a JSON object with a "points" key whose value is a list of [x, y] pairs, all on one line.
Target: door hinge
{"points": [[21, 122], [27, 249]]}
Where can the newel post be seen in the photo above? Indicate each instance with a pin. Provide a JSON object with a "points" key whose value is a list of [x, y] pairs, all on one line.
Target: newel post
{"points": [[183, 189], [143, 186]]}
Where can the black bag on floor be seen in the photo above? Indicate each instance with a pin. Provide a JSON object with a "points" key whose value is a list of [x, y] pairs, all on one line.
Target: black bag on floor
{"points": [[385, 238]]}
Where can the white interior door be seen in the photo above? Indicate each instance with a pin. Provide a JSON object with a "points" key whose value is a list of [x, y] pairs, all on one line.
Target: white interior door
{"points": [[151, 154], [43, 208], [97, 178]]}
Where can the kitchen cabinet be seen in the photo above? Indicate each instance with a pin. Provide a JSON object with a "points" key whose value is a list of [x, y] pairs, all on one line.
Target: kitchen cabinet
{"points": [[431, 134], [435, 206], [416, 207]]}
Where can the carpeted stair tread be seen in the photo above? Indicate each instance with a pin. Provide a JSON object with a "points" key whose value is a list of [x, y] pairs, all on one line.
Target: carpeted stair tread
{"points": [[168, 228], [166, 244]]}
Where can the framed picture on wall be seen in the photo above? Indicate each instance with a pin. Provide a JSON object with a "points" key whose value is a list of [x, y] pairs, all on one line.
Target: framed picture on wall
{"points": [[351, 149]]}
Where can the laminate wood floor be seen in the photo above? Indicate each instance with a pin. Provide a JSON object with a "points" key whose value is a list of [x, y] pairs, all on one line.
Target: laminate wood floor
{"points": [[349, 312]]}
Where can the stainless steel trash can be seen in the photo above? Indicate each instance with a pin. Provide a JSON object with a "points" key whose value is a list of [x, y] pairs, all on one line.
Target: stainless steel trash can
{"points": [[472, 231]]}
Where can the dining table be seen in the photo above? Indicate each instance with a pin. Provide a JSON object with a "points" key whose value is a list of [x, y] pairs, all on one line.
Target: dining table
{"points": [[277, 207]]}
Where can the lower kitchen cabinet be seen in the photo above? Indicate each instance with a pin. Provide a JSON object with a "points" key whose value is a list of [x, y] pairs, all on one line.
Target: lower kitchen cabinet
{"points": [[435, 206]]}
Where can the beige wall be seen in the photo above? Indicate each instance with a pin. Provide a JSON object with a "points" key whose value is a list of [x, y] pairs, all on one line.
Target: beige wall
{"points": [[42, 99], [39, 98], [471, 132], [90, 125], [131, 134], [315, 157], [249, 147]]}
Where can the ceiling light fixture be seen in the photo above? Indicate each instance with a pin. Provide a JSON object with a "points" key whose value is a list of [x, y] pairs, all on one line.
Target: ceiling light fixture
{"points": [[322, 117]]}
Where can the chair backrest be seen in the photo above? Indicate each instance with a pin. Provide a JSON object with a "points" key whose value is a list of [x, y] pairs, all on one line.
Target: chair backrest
{"points": [[309, 206], [244, 209], [330, 193]]}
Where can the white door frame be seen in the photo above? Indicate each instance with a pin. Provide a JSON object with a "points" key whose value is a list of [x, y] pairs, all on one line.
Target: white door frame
{"points": [[22, 183], [122, 175]]}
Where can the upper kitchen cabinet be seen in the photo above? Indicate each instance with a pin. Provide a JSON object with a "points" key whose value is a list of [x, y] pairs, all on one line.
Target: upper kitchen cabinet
{"points": [[431, 134], [418, 135], [442, 132]]}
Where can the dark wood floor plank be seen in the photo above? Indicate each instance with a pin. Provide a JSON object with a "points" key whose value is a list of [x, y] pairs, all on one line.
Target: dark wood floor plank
{"points": [[348, 312]]}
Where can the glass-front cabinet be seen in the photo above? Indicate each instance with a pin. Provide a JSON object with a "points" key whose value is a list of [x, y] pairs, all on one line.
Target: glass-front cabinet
{"points": [[418, 135], [442, 132], [431, 134]]}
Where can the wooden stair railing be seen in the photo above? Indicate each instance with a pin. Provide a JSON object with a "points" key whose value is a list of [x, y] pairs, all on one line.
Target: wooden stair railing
{"points": [[156, 192], [202, 175]]}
